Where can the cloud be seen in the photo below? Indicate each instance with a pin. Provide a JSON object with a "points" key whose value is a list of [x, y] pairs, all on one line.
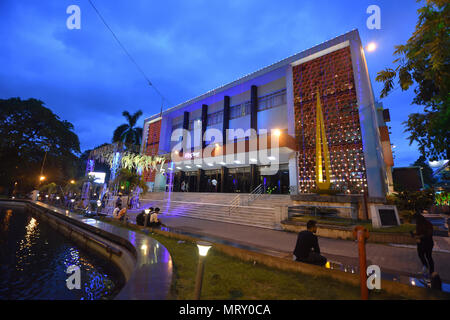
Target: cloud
{"points": [[184, 47]]}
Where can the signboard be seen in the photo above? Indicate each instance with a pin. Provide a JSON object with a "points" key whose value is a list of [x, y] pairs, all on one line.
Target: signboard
{"points": [[99, 176], [384, 216], [388, 217]]}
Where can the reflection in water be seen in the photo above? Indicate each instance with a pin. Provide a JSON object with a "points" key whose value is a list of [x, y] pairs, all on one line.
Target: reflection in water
{"points": [[34, 259]]}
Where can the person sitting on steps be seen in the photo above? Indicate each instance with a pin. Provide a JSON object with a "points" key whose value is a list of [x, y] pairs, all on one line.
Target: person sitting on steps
{"points": [[307, 248], [140, 218], [154, 221]]}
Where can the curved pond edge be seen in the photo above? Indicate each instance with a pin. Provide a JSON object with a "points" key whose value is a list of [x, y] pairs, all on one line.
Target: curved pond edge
{"points": [[144, 262]]}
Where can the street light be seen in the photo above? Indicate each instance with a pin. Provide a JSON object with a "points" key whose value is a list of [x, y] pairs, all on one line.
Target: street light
{"points": [[41, 178], [277, 132], [147, 211], [203, 248], [371, 46], [72, 181]]}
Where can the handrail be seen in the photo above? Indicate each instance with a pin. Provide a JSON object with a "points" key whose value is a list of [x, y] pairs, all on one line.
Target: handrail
{"points": [[256, 193], [235, 203]]}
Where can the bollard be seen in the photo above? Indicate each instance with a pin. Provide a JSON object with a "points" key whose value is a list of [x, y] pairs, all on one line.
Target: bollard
{"points": [[361, 234], [199, 277]]}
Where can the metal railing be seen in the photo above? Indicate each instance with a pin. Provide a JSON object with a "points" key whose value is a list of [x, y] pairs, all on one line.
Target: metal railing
{"points": [[237, 200], [235, 203], [255, 194]]}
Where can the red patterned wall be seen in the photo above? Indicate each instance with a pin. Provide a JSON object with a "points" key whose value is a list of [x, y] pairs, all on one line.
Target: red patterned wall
{"points": [[333, 75], [152, 147]]}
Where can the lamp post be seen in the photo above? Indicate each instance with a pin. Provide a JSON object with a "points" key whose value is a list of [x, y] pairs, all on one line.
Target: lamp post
{"points": [[203, 248], [99, 203], [147, 212], [361, 234]]}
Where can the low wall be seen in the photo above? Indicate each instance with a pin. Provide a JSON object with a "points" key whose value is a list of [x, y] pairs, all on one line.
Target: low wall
{"points": [[354, 202], [346, 233], [122, 257]]}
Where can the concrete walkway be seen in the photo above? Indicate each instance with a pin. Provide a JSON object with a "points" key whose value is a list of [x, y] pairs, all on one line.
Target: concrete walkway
{"points": [[393, 259]]}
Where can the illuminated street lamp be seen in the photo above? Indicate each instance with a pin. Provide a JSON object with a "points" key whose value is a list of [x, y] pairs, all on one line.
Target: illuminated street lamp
{"points": [[203, 248], [277, 132], [72, 181], [99, 203], [147, 212], [41, 178], [371, 46]]}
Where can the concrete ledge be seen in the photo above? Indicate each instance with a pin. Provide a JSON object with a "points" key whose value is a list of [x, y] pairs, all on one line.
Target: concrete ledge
{"points": [[123, 258], [390, 287], [346, 233]]}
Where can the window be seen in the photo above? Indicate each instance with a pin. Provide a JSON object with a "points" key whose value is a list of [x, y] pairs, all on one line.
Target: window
{"points": [[272, 100], [240, 110], [215, 118], [191, 123]]}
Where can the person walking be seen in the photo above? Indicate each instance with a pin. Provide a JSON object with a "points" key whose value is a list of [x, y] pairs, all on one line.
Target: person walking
{"points": [[425, 243], [307, 248]]}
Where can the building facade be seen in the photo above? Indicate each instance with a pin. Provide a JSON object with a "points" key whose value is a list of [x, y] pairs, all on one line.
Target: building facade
{"points": [[261, 130]]}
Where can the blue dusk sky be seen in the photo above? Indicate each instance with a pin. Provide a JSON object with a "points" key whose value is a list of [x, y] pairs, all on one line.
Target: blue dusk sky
{"points": [[185, 47]]}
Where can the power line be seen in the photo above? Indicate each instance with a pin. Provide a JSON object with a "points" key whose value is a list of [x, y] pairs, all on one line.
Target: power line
{"points": [[128, 54]]}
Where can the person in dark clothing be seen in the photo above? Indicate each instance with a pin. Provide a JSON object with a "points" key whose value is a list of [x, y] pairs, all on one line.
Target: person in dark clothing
{"points": [[119, 202], [307, 248], [436, 282], [425, 243], [140, 218]]}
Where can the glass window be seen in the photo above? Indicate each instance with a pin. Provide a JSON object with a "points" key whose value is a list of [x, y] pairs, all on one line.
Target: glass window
{"points": [[272, 100]]}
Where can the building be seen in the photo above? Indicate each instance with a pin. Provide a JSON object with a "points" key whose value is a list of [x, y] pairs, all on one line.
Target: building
{"points": [[272, 115]]}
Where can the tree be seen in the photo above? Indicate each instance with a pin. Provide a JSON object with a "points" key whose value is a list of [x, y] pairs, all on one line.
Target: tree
{"points": [[27, 131], [130, 180], [127, 132], [424, 61], [427, 172]]}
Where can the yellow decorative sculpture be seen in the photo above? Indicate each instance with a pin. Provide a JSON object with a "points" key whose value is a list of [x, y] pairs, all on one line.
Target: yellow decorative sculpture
{"points": [[321, 157]]}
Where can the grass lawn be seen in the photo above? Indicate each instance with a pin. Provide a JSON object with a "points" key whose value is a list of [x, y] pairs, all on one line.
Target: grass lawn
{"points": [[227, 277], [404, 228]]}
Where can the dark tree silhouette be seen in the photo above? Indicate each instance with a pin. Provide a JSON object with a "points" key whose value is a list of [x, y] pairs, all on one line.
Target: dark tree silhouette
{"points": [[127, 132], [27, 131]]}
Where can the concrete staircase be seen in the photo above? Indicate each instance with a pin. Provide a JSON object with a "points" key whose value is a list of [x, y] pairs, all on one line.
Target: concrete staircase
{"points": [[216, 207]]}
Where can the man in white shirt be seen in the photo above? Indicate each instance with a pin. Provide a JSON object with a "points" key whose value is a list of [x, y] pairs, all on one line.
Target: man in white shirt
{"points": [[115, 212], [154, 218]]}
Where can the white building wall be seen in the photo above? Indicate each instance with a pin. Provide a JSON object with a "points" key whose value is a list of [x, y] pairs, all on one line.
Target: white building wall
{"points": [[375, 167]]}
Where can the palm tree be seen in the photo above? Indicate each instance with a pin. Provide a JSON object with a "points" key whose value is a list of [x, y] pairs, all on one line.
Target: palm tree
{"points": [[127, 132]]}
